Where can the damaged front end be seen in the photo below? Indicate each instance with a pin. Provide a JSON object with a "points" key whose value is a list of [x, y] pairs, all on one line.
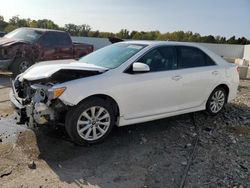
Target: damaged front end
{"points": [[37, 101], [12, 49], [5, 58]]}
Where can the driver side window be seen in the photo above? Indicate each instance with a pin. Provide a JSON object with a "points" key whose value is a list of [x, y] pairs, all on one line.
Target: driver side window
{"points": [[49, 40], [160, 59]]}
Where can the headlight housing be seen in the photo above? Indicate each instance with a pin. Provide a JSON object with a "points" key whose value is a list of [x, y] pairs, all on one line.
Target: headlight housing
{"points": [[57, 92]]}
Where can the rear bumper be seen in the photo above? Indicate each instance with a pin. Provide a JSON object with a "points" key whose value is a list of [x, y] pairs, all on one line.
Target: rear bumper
{"points": [[4, 64], [233, 90]]}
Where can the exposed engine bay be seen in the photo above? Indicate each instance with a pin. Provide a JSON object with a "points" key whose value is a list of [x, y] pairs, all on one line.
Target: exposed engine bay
{"points": [[37, 100]]}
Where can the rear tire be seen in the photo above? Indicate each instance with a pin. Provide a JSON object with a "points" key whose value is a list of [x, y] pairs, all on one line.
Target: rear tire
{"points": [[20, 65], [216, 101], [90, 122]]}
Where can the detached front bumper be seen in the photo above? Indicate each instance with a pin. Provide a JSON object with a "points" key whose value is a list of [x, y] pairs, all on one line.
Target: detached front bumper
{"points": [[34, 106], [4, 64], [32, 114], [15, 102], [20, 109]]}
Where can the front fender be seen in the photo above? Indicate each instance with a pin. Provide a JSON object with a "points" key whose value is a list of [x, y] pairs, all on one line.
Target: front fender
{"points": [[27, 50]]}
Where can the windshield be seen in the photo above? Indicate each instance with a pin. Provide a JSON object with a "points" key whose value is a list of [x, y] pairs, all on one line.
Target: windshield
{"points": [[25, 34], [112, 56]]}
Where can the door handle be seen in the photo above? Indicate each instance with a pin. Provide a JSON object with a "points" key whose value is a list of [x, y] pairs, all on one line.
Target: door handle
{"points": [[215, 73], [176, 78]]}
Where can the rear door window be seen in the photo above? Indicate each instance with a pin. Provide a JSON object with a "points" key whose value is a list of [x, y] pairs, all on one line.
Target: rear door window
{"points": [[56, 39], [209, 61], [189, 57], [49, 40], [63, 39]]}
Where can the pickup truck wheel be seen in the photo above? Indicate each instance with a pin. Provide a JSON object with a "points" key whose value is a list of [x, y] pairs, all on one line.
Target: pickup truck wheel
{"points": [[90, 122], [20, 65], [216, 101]]}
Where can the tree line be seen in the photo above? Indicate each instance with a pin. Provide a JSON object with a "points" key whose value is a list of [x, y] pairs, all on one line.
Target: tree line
{"points": [[85, 30]]}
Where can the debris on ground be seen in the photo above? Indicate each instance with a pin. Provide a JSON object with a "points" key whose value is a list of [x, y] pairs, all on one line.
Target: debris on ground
{"points": [[32, 165], [5, 172]]}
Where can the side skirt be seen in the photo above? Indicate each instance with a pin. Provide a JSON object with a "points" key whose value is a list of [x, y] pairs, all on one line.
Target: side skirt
{"points": [[123, 122]]}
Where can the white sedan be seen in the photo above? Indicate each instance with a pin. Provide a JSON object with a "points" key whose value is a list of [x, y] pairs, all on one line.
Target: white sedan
{"points": [[122, 84]]}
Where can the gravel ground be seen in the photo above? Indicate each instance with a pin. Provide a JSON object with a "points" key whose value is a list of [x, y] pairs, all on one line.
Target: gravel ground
{"points": [[4, 94], [153, 154]]}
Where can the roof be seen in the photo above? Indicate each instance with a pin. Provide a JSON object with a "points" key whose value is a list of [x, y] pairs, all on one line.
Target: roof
{"points": [[154, 42], [41, 29]]}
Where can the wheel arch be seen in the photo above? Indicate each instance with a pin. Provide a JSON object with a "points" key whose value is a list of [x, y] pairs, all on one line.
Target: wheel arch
{"points": [[26, 51], [225, 87], [107, 98]]}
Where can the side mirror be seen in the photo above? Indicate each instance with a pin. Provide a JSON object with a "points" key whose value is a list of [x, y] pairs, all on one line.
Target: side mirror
{"points": [[140, 67]]}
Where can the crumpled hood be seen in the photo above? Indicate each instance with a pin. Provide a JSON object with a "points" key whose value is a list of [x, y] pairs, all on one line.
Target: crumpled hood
{"points": [[46, 69], [4, 42]]}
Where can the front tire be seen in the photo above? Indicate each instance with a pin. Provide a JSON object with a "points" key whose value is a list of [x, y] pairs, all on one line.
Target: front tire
{"points": [[90, 122], [216, 101], [20, 65]]}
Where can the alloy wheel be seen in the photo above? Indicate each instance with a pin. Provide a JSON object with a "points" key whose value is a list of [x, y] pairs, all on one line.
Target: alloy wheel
{"points": [[217, 101], [93, 123]]}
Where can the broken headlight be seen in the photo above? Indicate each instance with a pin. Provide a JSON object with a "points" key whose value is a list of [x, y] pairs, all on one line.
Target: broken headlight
{"points": [[57, 92]]}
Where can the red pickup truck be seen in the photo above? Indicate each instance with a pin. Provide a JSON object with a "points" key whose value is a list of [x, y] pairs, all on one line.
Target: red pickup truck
{"points": [[23, 47]]}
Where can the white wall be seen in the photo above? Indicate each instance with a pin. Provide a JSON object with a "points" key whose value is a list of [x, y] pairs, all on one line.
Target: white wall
{"points": [[226, 50], [247, 52]]}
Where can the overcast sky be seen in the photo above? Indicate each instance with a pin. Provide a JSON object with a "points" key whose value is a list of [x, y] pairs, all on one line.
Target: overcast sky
{"points": [[216, 17]]}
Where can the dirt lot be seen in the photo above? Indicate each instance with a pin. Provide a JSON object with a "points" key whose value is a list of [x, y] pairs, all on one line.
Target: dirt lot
{"points": [[154, 154]]}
